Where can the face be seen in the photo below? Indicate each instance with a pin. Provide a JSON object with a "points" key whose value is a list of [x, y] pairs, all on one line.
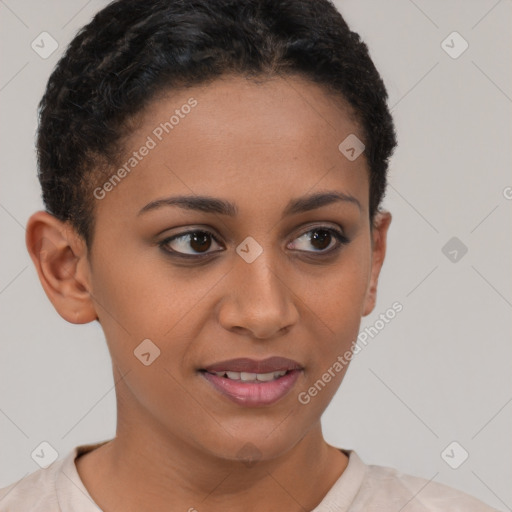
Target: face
{"points": [[250, 266]]}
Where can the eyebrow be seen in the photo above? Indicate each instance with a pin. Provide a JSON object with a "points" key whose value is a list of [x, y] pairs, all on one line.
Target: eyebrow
{"points": [[215, 205]]}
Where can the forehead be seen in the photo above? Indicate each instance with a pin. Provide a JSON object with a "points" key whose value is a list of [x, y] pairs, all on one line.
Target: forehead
{"points": [[237, 139]]}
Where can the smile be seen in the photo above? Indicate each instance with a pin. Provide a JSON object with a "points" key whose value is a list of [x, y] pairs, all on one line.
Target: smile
{"points": [[251, 377], [253, 383]]}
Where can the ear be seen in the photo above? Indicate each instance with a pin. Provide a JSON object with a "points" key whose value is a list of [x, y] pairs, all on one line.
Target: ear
{"points": [[379, 237], [60, 257]]}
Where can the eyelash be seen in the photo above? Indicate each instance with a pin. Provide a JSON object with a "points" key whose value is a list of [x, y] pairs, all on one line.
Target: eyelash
{"points": [[340, 238]]}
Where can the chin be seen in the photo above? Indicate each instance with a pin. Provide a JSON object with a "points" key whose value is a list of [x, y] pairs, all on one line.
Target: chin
{"points": [[251, 446]]}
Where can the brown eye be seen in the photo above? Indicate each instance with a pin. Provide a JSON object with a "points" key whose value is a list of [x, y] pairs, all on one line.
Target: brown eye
{"points": [[190, 243], [322, 239], [200, 241]]}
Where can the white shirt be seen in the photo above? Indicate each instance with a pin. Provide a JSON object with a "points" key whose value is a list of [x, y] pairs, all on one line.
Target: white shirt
{"points": [[361, 487]]}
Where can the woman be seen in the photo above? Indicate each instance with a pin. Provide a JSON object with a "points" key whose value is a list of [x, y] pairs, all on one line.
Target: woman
{"points": [[213, 173]]}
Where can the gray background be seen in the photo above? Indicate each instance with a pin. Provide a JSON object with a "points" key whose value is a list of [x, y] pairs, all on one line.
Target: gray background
{"points": [[439, 372]]}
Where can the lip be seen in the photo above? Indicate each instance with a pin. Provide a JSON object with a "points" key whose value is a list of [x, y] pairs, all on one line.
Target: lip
{"points": [[244, 364], [253, 394]]}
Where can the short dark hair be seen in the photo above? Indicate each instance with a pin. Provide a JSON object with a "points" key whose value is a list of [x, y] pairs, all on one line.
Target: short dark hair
{"points": [[134, 49]]}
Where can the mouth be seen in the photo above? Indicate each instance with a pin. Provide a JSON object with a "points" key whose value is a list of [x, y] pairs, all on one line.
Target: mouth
{"points": [[251, 377], [253, 383]]}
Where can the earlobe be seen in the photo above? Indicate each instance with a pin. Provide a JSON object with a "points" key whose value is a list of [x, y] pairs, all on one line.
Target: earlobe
{"points": [[58, 254], [379, 240]]}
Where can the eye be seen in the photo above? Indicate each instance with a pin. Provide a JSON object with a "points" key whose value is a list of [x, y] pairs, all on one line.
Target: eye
{"points": [[198, 242], [323, 239]]}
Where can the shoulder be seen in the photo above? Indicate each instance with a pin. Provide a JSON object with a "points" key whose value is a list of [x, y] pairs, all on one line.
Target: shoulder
{"points": [[384, 486], [35, 492], [53, 489]]}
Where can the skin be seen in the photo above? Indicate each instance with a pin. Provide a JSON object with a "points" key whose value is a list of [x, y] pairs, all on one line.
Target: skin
{"points": [[178, 440]]}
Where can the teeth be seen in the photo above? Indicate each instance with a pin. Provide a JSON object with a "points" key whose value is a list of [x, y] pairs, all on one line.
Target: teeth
{"points": [[265, 377], [251, 377]]}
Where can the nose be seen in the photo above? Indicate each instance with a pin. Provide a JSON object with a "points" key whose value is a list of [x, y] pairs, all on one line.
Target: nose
{"points": [[259, 301]]}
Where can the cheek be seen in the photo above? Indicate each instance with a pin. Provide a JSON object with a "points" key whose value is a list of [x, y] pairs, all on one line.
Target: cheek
{"points": [[335, 325], [131, 284], [142, 297], [338, 296], [126, 295]]}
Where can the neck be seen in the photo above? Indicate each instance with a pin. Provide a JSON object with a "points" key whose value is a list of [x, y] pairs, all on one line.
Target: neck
{"points": [[144, 473]]}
